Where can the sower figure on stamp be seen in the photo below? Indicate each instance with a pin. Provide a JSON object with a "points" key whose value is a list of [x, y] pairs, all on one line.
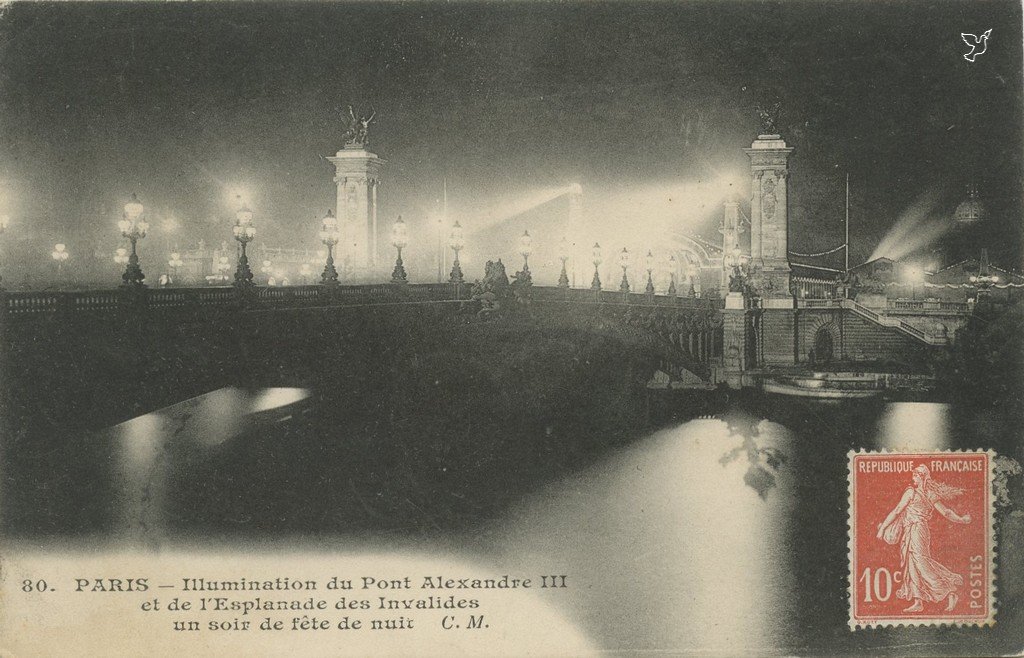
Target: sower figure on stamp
{"points": [[924, 579]]}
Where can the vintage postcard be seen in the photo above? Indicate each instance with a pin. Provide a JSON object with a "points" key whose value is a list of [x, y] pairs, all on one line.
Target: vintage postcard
{"points": [[529, 329]]}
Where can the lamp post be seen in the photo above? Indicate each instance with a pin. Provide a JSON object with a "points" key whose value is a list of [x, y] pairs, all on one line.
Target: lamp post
{"points": [[595, 284], [650, 269], [736, 261], [244, 232], [329, 235], [913, 275], [672, 275], [133, 227], [60, 255], [399, 238], [983, 283], [525, 249], [624, 264], [174, 263], [563, 255], [691, 275], [456, 241]]}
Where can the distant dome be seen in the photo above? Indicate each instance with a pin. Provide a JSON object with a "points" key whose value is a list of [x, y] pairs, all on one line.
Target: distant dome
{"points": [[971, 210]]}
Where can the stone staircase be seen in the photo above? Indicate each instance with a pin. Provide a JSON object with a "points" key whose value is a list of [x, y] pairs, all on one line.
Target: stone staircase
{"points": [[894, 323]]}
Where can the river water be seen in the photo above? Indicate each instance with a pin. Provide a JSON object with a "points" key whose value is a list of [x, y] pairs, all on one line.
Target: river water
{"points": [[722, 534]]}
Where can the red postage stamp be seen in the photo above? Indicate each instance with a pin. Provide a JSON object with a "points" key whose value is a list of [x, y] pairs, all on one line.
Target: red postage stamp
{"points": [[921, 538]]}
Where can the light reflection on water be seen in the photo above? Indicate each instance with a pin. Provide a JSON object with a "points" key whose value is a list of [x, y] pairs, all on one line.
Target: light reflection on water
{"points": [[915, 426], [670, 548], [152, 447], [697, 539]]}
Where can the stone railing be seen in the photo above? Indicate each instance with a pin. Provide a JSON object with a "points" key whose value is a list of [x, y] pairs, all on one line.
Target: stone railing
{"points": [[927, 306], [819, 303], [42, 303]]}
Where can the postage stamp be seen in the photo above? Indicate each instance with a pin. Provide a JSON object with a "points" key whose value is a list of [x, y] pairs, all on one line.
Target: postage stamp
{"points": [[922, 549]]}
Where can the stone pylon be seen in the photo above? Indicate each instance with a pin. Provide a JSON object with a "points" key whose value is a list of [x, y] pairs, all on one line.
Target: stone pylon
{"points": [[357, 175], [769, 219]]}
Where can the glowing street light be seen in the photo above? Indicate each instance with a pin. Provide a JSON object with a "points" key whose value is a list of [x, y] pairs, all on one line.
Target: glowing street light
{"points": [[595, 284], [672, 266], [649, 262], [624, 264], [456, 241], [913, 275], [563, 255], [244, 232], [525, 249], [174, 263], [399, 238], [133, 227], [60, 255], [329, 236]]}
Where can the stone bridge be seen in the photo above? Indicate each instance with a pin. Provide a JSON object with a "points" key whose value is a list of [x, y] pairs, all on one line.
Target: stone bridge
{"points": [[93, 358]]}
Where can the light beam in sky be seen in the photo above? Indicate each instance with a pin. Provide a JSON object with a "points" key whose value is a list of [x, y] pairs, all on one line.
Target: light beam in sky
{"points": [[916, 228]]}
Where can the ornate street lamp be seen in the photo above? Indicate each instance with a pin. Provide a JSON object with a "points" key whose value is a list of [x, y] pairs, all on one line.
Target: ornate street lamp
{"points": [[174, 263], [244, 232], [672, 274], [399, 238], [60, 255], [595, 284], [983, 283], [456, 241], [133, 227], [563, 255], [329, 235], [624, 264], [691, 274], [525, 249], [737, 261], [650, 269]]}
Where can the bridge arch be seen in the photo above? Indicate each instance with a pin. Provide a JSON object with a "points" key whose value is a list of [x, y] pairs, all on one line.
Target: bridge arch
{"points": [[826, 341]]}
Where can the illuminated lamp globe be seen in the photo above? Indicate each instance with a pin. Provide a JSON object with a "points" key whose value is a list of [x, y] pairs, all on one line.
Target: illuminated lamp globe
{"points": [[970, 211]]}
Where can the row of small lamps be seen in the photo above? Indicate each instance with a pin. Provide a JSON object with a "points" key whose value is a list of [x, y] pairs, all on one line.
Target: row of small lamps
{"points": [[134, 227]]}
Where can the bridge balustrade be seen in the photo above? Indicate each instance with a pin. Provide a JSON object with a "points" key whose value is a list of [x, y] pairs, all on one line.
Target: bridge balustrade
{"points": [[40, 303]]}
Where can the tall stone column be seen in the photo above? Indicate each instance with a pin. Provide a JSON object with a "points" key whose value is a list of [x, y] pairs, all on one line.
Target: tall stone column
{"points": [[734, 340], [769, 220], [730, 230], [357, 175]]}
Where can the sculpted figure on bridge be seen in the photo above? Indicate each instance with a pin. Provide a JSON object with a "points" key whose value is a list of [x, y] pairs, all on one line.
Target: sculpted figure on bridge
{"points": [[770, 115], [492, 290], [357, 132]]}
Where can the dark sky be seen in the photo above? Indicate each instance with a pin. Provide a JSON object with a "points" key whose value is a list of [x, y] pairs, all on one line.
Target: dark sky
{"points": [[176, 101]]}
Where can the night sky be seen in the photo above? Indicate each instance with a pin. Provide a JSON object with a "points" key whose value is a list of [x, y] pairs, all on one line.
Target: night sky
{"points": [[181, 102]]}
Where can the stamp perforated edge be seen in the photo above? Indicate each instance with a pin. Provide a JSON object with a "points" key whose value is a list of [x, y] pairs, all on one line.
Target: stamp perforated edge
{"points": [[990, 528]]}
